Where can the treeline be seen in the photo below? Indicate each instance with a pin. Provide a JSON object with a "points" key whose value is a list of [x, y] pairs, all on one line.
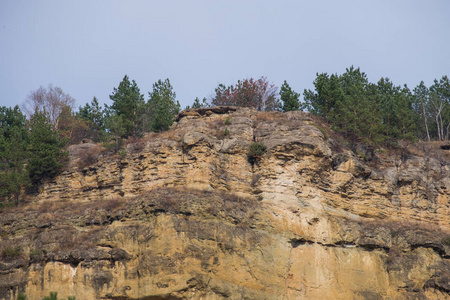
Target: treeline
{"points": [[32, 144], [129, 114], [380, 113], [364, 112], [32, 149]]}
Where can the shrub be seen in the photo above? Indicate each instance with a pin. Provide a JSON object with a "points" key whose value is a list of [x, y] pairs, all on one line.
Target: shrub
{"points": [[89, 156], [136, 145], [10, 252], [122, 153], [228, 121], [113, 204], [114, 145], [255, 151], [21, 296], [54, 296], [36, 255]]}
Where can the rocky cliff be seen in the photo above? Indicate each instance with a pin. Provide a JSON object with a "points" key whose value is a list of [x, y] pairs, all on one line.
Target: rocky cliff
{"points": [[184, 215]]}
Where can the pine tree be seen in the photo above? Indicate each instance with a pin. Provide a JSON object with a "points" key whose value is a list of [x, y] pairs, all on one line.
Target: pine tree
{"points": [[162, 105], [127, 103], [50, 101], [46, 149], [289, 98], [94, 116], [198, 104], [327, 96], [93, 113], [13, 152], [348, 102], [407, 118], [388, 100]]}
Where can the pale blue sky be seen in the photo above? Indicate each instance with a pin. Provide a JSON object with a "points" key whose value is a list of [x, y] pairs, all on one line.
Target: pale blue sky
{"points": [[86, 47]]}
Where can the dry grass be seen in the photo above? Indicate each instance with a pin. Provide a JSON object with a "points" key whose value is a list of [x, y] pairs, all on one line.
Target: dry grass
{"points": [[218, 127], [198, 203], [171, 134], [407, 235], [88, 157], [47, 206], [405, 152], [114, 204], [427, 230], [431, 149], [270, 116], [136, 145], [338, 143], [402, 150]]}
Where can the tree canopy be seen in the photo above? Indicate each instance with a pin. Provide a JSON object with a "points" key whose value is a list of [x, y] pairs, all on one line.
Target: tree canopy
{"points": [[127, 105], [50, 101], [46, 149], [289, 98], [162, 105], [259, 94], [14, 141], [382, 112]]}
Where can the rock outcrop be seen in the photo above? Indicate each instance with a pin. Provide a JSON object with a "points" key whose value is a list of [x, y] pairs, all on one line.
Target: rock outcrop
{"points": [[184, 215]]}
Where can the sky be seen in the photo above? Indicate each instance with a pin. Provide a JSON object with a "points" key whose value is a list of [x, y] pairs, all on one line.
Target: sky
{"points": [[86, 47]]}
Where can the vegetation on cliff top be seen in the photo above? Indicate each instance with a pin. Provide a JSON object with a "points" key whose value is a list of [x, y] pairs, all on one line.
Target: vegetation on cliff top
{"points": [[32, 150]]}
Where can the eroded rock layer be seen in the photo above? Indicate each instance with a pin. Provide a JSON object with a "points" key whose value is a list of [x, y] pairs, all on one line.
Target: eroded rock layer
{"points": [[184, 215]]}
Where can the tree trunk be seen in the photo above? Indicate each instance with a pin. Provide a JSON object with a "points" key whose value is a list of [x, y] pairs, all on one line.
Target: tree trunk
{"points": [[438, 129], [425, 120], [448, 134]]}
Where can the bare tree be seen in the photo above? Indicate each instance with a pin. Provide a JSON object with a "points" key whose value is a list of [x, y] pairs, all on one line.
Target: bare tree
{"points": [[440, 104], [259, 94], [267, 93], [51, 101], [422, 94]]}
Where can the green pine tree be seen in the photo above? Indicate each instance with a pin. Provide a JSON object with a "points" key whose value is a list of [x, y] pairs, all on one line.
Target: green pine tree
{"points": [[198, 104], [93, 113], [21, 296], [127, 103], [373, 128], [46, 149], [14, 140], [406, 116], [388, 95], [162, 105], [354, 110], [94, 116], [327, 95], [289, 98]]}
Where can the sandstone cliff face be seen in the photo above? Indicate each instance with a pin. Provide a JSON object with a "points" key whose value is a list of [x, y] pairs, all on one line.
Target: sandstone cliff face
{"points": [[186, 216]]}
